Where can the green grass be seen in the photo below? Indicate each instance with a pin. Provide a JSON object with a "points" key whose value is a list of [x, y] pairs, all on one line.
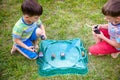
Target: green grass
{"points": [[63, 19]]}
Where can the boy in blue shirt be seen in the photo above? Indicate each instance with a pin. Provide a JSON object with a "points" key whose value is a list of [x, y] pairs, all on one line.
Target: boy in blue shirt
{"points": [[28, 29]]}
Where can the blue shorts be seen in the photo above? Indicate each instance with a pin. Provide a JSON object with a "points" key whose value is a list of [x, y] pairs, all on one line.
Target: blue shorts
{"points": [[28, 42]]}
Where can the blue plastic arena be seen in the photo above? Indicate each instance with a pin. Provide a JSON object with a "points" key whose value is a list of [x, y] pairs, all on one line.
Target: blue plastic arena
{"points": [[62, 57]]}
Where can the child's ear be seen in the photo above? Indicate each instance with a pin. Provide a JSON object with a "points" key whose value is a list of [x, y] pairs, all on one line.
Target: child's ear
{"points": [[118, 18]]}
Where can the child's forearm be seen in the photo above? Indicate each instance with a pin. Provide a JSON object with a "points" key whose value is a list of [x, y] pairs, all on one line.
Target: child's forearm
{"points": [[20, 43], [103, 26], [43, 29], [111, 42]]}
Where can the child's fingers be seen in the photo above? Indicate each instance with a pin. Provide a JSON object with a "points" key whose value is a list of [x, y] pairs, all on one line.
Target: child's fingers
{"points": [[32, 48], [45, 37], [93, 33]]}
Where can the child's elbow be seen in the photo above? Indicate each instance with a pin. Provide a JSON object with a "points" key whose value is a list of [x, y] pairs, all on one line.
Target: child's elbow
{"points": [[16, 40]]}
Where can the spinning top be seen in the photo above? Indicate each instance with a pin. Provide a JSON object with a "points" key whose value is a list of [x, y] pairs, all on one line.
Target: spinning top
{"points": [[53, 56], [62, 55], [83, 54]]}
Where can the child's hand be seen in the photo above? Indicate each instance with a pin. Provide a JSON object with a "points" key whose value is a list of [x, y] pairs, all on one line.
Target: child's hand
{"points": [[32, 48], [101, 36], [96, 26], [95, 30], [43, 36]]}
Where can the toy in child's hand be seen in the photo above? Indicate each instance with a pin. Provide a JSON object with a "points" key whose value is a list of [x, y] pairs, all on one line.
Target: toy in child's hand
{"points": [[96, 30], [42, 37]]}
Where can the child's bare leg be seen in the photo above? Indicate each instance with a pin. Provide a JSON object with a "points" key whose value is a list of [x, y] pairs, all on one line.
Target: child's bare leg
{"points": [[36, 44], [115, 55], [38, 33], [13, 49]]}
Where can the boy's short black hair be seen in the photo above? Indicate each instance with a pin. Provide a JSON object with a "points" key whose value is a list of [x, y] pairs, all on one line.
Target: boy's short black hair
{"points": [[31, 8], [112, 8]]}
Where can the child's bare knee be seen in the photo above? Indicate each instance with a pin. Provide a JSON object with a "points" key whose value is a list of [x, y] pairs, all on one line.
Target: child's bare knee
{"points": [[38, 32]]}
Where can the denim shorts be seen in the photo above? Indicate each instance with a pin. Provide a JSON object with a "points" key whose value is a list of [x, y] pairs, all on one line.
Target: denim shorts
{"points": [[28, 42]]}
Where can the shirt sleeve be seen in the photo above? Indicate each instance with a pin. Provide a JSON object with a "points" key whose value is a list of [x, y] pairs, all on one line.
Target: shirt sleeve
{"points": [[39, 23], [17, 32], [117, 36]]}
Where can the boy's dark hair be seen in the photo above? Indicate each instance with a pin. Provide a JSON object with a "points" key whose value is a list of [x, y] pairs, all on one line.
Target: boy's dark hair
{"points": [[112, 8], [31, 8]]}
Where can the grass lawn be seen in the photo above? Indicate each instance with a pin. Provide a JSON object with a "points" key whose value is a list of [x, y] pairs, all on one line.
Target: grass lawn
{"points": [[63, 19]]}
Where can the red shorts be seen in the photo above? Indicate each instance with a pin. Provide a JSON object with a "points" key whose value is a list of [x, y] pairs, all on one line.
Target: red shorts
{"points": [[103, 47]]}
